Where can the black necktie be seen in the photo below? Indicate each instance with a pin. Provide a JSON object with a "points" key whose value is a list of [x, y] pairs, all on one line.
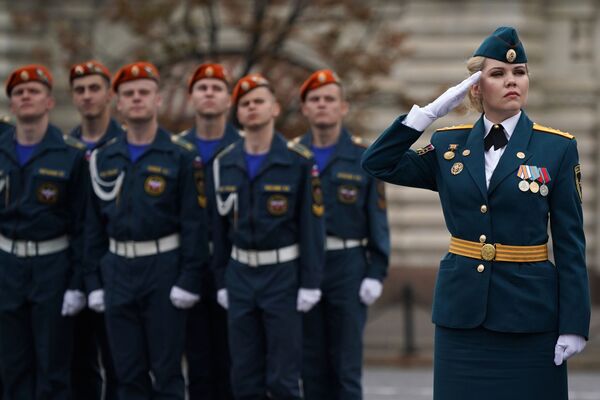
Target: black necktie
{"points": [[495, 138]]}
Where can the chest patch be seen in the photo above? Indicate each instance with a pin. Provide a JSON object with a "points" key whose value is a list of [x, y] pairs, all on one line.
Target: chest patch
{"points": [[277, 204], [155, 185], [47, 193], [348, 194]]}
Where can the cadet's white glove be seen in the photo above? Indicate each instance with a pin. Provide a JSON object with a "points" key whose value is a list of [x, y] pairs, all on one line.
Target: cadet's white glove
{"points": [[182, 298], [567, 346], [370, 290], [96, 300], [222, 298], [307, 298], [73, 302], [419, 118]]}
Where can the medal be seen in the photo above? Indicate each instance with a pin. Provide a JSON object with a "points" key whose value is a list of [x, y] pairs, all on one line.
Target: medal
{"points": [[523, 186], [449, 154], [534, 187], [523, 173], [544, 178]]}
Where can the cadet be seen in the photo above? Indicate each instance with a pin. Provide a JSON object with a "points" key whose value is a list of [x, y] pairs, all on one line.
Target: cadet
{"points": [[207, 352], [357, 246], [145, 240], [502, 309], [268, 246], [42, 190], [92, 95]]}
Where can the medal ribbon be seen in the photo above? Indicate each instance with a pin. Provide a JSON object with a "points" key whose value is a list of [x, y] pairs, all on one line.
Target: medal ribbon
{"points": [[535, 172], [544, 176], [523, 173]]}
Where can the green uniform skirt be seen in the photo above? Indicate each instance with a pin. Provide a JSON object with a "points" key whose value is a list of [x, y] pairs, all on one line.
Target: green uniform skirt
{"points": [[481, 364]]}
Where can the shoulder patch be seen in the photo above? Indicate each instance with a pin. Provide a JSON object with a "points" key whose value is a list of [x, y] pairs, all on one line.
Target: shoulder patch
{"points": [[456, 127], [183, 143], [300, 149], [74, 142], [546, 129], [357, 140]]}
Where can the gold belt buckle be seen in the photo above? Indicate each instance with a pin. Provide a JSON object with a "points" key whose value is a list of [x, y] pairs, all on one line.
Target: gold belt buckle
{"points": [[488, 252]]}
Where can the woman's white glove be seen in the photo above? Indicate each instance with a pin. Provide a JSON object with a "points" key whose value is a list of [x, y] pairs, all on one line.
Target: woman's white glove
{"points": [[307, 298], [96, 300], [223, 298], [567, 346], [419, 118], [370, 290], [182, 298]]}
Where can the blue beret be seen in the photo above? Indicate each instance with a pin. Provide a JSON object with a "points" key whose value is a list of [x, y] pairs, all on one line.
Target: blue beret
{"points": [[503, 45]]}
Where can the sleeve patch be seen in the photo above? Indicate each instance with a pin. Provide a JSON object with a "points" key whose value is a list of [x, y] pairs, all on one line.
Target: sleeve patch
{"points": [[424, 150], [577, 172]]}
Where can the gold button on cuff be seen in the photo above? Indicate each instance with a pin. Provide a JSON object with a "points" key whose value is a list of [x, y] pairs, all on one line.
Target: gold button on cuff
{"points": [[482, 238], [483, 209], [480, 268]]}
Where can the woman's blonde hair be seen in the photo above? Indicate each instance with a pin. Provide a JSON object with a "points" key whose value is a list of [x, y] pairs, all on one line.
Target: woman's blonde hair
{"points": [[475, 64]]}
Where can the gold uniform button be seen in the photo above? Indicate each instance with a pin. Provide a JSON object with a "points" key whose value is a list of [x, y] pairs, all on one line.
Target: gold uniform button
{"points": [[483, 209], [482, 238], [480, 268]]}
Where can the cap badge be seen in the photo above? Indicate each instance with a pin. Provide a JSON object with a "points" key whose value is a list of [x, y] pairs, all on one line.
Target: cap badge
{"points": [[322, 77], [135, 70], [210, 71], [245, 86], [24, 75], [511, 55]]}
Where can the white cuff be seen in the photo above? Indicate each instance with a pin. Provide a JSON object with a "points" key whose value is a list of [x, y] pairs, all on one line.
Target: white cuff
{"points": [[418, 119]]}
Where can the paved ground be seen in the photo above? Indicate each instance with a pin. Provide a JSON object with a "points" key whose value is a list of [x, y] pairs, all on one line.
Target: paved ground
{"points": [[415, 384]]}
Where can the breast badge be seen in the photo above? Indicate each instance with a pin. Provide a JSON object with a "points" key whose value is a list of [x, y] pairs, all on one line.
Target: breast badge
{"points": [[534, 179], [277, 204], [347, 194], [47, 193], [457, 168], [155, 185]]}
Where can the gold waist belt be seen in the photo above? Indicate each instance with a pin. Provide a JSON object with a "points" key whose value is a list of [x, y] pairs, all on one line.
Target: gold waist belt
{"points": [[498, 252]]}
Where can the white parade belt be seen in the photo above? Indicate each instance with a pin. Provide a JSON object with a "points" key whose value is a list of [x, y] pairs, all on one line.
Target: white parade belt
{"points": [[256, 258], [28, 248], [336, 243], [133, 249]]}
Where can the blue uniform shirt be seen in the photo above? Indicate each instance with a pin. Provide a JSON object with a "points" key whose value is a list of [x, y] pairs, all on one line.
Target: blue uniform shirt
{"points": [[24, 152], [322, 155], [207, 148], [136, 150], [45, 197], [162, 194], [280, 207], [253, 163], [355, 204], [502, 296]]}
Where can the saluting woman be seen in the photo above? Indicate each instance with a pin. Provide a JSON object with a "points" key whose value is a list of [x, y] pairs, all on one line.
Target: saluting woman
{"points": [[507, 317]]}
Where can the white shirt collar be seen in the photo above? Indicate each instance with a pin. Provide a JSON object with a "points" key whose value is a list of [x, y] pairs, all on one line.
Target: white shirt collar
{"points": [[509, 124]]}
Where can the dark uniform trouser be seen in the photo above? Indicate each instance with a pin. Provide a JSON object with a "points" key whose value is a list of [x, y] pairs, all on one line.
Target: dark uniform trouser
{"points": [[264, 331], [207, 350], [145, 331], [333, 331], [35, 340], [89, 337]]}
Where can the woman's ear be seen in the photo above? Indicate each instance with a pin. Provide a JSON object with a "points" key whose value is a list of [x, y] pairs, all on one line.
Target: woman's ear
{"points": [[476, 91]]}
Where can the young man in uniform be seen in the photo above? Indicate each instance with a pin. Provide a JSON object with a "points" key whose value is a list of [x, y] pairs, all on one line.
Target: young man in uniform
{"points": [[357, 246], [92, 95], [207, 351], [42, 204], [269, 248], [145, 240]]}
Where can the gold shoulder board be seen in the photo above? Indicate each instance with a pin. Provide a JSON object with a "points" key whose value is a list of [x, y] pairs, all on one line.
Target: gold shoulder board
{"points": [[546, 129], [357, 140], [74, 142], [456, 127], [300, 149], [225, 150], [183, 143]]}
